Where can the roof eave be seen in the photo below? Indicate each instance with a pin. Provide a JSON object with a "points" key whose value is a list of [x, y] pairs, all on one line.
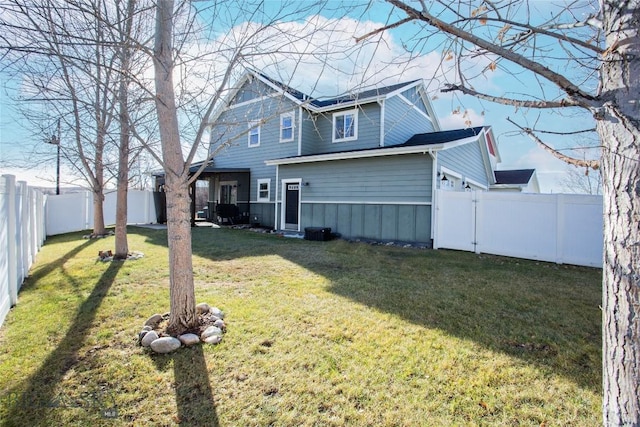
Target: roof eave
{"points": [[348, 155]]}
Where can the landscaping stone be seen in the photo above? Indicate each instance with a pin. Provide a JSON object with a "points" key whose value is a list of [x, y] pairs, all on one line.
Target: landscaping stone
{"points": [[165, 344], [211, 331], [217, 312], [220, 324], [148, 338], [154, 321], [189, 339], [213, 339], [202, 308]]}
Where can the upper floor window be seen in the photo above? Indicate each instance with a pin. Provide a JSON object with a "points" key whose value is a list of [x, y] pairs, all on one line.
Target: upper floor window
{"points": [[345, 126], [254, 133], [263, 190], [286, 127]]}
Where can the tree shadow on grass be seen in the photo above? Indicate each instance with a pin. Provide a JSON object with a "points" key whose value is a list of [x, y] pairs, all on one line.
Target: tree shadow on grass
{"points": [[34, 403], [194, 397], [544, 314]]}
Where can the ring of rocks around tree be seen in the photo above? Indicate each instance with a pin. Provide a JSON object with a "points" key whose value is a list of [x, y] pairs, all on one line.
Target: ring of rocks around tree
{"points": [[211, 328]]}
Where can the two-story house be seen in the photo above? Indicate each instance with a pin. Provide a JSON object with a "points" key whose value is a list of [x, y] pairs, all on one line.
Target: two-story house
{"points": [[366, 164]]}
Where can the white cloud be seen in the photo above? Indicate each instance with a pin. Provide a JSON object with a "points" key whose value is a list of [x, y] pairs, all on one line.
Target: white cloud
{"points": [[461, 120]]}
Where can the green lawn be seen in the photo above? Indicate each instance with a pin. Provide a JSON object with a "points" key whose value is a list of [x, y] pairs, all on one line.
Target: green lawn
{"points": [[319, 334]]}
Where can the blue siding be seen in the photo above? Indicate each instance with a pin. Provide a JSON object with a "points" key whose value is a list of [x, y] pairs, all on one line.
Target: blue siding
{"points": [[403, 178], [413, 95], [252, 89], [368, 131], [466, 160], [402, 121], [401, 223]]}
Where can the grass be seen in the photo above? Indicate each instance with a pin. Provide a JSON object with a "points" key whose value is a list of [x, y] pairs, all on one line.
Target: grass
{"points": [[320, 334]]}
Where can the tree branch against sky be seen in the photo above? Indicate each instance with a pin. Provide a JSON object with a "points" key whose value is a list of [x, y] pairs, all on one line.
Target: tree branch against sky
{"points": [[599, 43]]}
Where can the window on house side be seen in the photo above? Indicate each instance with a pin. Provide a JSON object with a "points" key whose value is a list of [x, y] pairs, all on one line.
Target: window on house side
{"points": [[254, 134], [345, 126], [263, 190], [286, 127]]}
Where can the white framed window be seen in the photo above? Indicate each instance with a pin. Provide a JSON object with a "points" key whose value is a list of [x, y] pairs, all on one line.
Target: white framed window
{"points": [[286, 127], [264, 187], [345, 126], [254, 133]]}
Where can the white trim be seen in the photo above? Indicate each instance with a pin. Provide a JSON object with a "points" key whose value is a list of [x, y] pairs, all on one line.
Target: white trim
{"points": [[434, 177], [283, 201], [277, 88], [253, 125], [275, 207], [451, 173], [415, 107], [263, 202], [327, 202], [354, 125], [292, 115], [382, 112], [252, 101], [299, 131], [263, 181], [475, 184], [349, 155], [360, 154]]}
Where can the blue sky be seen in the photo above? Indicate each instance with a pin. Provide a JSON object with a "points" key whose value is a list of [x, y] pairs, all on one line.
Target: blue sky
{"points": [[384, 63]]}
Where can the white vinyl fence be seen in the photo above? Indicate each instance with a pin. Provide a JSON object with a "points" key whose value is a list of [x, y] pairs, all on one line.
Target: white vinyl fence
{"points": [[22, 233], [561, 228], [74, 212]]}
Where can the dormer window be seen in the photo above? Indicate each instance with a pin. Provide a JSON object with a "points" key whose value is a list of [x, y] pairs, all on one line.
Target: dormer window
{"points": [[345, 126]]}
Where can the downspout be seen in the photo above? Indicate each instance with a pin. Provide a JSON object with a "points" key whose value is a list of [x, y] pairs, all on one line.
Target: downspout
{"points": [[299, 131], [434, 181], [275, 213], [381, 103]]}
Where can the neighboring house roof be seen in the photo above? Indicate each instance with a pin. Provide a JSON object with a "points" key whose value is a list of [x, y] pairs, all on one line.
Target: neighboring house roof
{"points": [[514, 177]]}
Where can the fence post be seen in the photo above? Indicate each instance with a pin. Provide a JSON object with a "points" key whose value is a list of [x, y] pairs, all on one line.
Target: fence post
{"points": [[12, 247], [24, 233]]}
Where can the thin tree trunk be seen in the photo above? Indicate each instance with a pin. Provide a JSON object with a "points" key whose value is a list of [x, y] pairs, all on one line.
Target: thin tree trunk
{"points": [[620, 135], [122, 244], [182, 293]]}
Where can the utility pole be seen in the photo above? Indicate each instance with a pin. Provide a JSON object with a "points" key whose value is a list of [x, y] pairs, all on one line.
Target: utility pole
{"points": [[55, 140]]}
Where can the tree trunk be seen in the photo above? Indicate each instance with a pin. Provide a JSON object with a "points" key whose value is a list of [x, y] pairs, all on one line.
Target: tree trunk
{"points": [[620, 136], [182, 293], [98, 214], [122, 244]]}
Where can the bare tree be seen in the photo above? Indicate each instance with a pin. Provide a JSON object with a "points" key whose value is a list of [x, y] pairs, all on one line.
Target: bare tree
{"points": [[604, 44]]}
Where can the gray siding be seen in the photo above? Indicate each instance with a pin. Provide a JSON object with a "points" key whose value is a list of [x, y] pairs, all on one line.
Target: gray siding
{"points": [[252, 89], [413, 95], [238, 154], [321, 127], [404, 223], [400, 179], [402, 121], [466, 160]]}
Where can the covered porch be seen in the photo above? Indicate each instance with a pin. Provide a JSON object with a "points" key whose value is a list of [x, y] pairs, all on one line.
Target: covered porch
{"points": [[228, 196]]}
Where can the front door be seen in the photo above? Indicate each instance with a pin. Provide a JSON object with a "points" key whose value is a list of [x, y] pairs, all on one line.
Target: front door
{"points": [[292, 204]]}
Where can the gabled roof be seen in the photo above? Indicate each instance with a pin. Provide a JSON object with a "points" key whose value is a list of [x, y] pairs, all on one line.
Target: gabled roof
{"points": [[514, 177], [365, 96]]}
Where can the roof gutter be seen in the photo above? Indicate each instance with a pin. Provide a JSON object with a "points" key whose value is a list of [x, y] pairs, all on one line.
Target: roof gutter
{"points": [[388, 151]]}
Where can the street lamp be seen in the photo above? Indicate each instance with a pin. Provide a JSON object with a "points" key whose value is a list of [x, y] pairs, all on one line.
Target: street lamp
{"points": [[55, 140]]}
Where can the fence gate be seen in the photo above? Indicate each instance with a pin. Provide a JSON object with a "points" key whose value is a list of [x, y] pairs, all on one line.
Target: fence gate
{"points": [[455, 226], [561, 228]]}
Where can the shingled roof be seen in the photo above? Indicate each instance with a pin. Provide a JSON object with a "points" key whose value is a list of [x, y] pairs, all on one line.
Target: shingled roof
{"points": [[514, 177], [321, 103]]}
